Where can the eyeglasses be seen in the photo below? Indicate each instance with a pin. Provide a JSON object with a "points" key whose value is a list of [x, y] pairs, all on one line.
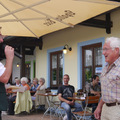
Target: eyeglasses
{"points": [[106, 49]]}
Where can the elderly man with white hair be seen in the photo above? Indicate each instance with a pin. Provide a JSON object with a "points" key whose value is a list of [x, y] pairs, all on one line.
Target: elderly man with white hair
{"points": [[109, 105]]}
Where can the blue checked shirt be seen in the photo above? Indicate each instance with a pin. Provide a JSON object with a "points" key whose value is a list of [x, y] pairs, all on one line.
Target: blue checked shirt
{"points": [[110, 82]]}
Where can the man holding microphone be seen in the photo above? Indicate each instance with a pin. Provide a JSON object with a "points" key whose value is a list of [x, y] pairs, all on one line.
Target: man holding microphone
{"points": [[5, 73]]}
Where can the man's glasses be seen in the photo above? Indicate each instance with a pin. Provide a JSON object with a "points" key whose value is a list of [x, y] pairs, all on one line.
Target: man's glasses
{"points": [[106, 49]]}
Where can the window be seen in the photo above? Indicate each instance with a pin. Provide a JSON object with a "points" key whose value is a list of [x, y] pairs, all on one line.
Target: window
{"points": [[56, 69], [91, 61]]}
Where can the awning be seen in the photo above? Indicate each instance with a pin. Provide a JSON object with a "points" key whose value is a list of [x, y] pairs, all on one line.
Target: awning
{"points": [[36, 18]]}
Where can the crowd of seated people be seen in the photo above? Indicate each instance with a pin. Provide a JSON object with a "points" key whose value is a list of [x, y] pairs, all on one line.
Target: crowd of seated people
{"points": [[36, 86]]}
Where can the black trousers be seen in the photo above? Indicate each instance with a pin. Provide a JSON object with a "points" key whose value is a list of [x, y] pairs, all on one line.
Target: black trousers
{"points": [[11, 105], [0, 115]]}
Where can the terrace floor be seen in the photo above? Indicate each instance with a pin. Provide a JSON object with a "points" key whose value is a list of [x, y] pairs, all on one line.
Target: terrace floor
{"points": [[31, 116]]}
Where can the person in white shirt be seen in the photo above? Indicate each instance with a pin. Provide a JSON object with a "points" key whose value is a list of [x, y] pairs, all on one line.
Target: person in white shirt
{"points": [[5, 73]]}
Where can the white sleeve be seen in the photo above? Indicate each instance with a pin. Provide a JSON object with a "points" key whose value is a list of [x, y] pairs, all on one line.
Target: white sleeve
{"points": [[2, 69]]}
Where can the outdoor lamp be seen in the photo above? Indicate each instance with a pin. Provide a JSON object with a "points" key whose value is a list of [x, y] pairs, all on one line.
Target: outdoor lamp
{"points": [[18, 64], [66, 48]]}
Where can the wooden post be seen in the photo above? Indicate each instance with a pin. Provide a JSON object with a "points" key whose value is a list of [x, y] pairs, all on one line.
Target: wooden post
{"points": [[22, 61]]}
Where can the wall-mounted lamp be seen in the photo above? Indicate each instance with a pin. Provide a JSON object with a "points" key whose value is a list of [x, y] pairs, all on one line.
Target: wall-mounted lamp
{"points": [[66, 47], [18, 64]]}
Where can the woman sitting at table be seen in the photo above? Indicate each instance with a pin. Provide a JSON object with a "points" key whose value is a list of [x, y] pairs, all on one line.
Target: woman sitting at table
{"points": [[12, 98], [24, 81], [23, 98], [34, 86], [40, 101]]}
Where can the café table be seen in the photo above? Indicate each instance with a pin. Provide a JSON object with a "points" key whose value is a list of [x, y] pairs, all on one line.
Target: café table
{"points": [[80, 99], [50, 103], [77, 98]]}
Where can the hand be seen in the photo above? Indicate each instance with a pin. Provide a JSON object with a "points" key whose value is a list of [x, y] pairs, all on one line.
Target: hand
{"points": [[35, 95], [9, 90], [1, 40], [70, 102], [32, 85], [9, 52], [97, 113]]}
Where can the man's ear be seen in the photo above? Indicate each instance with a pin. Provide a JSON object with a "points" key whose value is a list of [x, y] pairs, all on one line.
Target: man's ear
{"points": [[117, 50]]}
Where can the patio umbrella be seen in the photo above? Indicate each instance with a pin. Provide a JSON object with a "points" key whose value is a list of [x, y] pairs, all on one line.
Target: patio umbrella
{"points": [[36, 18]]}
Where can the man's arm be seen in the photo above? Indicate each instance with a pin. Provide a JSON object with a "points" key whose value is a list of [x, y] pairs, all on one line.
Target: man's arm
{"points": [[61, 98], [9, 53], [98, 110], [95, 92], [64, 100]]}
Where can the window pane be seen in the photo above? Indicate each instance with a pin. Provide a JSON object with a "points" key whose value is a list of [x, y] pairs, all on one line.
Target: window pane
{"points": [[54, 69], [88, 58], [60, 68], [88, 74], [98, 56], [54, 76], [98, 70], [54, 61]]}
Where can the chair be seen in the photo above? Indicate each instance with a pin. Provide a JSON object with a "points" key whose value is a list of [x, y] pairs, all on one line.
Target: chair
{"points": [[86, 113]]}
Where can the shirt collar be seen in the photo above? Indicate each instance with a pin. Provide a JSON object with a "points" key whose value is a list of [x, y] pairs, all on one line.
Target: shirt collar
{"points": [[116, 63]]}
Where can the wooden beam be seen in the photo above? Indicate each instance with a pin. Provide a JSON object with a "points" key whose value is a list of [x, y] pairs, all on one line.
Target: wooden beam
{"points": [[24, 41], [95, 23], [106, 24]]}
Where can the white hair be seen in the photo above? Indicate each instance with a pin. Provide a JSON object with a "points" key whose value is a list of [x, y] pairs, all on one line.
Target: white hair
{"points": [[43, 80], [24, 79], [114, 42]]}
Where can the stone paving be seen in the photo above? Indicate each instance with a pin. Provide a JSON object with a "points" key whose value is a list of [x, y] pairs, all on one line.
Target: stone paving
{"points": [[31, 116]]}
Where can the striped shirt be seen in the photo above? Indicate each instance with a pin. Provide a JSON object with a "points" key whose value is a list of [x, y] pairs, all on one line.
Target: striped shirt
{"points": [[110, 82]]}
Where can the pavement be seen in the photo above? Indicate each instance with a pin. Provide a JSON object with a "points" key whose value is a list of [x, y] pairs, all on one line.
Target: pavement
{"points": [[31, 116]]}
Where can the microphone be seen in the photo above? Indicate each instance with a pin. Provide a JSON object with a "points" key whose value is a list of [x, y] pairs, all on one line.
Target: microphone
{"points": [[15, 53]]}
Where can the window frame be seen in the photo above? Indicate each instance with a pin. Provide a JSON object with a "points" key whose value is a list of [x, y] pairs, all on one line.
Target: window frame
{"points": [[89, 47], [57, 84]]}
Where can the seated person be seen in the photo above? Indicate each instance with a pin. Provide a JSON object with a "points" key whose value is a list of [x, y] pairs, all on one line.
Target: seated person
{"points": [[64, 92], [40, 100], [24, 81], [12, 98], [23, 99], [29, 82], [17, 81], [34, 85], [93, 89]]}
